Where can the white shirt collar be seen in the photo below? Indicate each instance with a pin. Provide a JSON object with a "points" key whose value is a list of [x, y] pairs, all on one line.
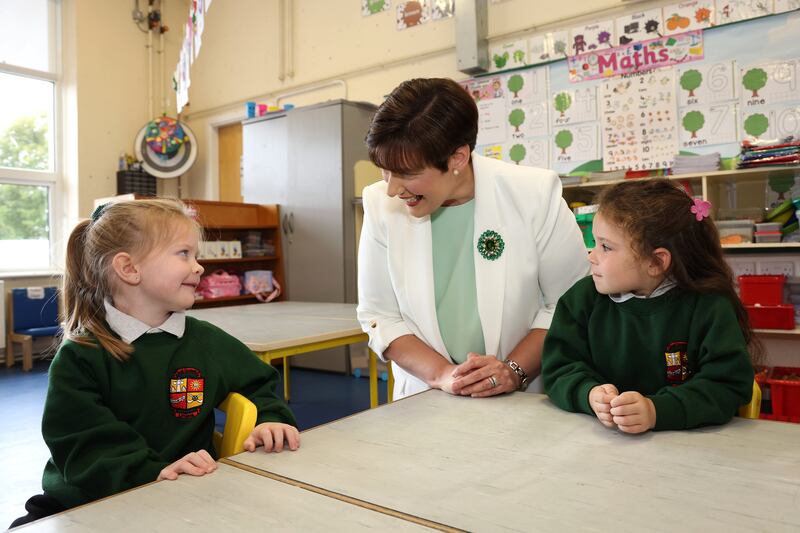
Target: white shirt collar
{"points": [[666, 285], [129, 328]]}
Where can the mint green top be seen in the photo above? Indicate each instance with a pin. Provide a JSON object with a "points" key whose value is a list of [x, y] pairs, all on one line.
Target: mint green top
{"points": [[452, 229]]}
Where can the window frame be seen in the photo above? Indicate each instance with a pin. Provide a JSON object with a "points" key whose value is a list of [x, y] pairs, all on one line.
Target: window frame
{"points": [[53, 178]]}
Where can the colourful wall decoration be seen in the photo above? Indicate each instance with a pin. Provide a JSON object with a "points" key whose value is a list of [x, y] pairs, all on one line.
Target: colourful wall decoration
{"points": [[637, 57], [742, 87]]}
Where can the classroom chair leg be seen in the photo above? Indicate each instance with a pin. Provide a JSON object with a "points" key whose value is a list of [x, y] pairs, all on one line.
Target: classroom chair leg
{"points": [[27, 354], [9, 352]]}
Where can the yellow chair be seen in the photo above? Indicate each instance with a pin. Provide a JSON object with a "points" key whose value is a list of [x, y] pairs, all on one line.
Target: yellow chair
{"points": [[240, 419], [752, 409]]}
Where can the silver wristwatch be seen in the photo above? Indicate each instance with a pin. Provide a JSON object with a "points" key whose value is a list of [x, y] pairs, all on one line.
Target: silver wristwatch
{"points": [[523, 377]]}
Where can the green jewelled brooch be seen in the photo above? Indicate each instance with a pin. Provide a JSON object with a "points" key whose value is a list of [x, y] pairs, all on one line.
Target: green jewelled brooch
{"points": [[490, 245]]}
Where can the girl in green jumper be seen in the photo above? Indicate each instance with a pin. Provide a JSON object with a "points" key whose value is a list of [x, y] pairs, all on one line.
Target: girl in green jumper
{"points": [[133, 387], [656, 338]]}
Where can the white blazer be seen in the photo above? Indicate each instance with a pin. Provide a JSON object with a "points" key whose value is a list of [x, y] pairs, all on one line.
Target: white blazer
{"points": [[544, 256]]}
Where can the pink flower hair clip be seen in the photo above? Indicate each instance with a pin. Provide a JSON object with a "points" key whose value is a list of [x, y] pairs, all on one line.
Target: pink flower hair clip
{"points": [[701, 209]]}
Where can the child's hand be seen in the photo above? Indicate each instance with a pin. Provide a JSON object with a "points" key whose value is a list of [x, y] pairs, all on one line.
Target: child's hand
{"points": [[272, 436], [633, 413], [600, 398], [197, 463]]}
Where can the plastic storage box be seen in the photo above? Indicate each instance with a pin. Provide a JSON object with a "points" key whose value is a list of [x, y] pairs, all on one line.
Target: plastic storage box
{"points": [[784, 385], [764, 290], [767, 236], [585, 223], [771, 316], [735, 231]]}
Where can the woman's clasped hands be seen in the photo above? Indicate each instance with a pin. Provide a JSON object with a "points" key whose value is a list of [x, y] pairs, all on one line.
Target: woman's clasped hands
{"points": [[479, 376]]}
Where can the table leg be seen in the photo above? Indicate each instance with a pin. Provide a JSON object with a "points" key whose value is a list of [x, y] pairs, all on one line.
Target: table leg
{"points": [[373, 380], [286, 378], [390, 384]]}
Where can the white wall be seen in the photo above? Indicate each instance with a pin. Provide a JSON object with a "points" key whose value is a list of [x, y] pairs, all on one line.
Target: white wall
{"points": [[104, 83]]}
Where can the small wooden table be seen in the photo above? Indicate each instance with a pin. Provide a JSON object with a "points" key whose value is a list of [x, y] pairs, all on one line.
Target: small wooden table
{"points": [[518, 463], [229, 499], [279, 330]]}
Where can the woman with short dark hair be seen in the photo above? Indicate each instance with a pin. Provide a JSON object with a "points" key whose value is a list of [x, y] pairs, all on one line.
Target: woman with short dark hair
{"points": [[460, 255]]}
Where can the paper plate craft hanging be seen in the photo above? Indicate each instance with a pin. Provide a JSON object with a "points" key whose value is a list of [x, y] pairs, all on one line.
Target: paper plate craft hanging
{"points": [[166, 147]]}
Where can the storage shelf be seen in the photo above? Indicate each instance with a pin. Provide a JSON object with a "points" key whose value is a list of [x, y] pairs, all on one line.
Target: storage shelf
{"points": [[235, 227], [715, 175], [237, 259], [240, 298], [761, 245], [781, 332]]}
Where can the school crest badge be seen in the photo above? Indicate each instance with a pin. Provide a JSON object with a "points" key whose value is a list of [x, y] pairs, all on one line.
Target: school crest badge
{"points": [[186, 392], [677, 363]]}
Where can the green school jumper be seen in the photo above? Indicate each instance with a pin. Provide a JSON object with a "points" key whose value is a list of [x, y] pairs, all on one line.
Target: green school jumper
{"points": [[113, 425], [452, 231], [684, 351]]}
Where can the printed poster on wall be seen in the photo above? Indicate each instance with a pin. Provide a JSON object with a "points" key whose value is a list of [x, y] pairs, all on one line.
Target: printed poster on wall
{"points": [[702, 84], [729, 11], [595, 36], [509, 55], [410, 14], [526, 104], [769, 83], [688, 16], [574, 105], [547, 47], [489, 96], [771, 122], [443, 9], [372, 7], [637, 57], [638, 121], [638, 26], [575, 144], [708, 125], [528, 152]]}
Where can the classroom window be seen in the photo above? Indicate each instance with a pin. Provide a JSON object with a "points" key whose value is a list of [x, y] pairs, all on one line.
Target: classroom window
{"points": [[28, 34], [24, 226], [29, 168], [26, 123]]}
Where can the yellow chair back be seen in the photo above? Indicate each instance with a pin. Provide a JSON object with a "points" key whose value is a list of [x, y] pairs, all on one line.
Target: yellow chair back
{"points": [[240, 419], [752, 409]]}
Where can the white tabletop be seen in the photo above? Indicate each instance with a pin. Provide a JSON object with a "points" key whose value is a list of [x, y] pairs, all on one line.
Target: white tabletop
{"points": [[518, 463], [230, 499], [276, 325]]}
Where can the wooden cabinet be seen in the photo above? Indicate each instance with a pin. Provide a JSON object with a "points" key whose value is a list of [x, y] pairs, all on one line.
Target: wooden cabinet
{"points": [[231, 221]]}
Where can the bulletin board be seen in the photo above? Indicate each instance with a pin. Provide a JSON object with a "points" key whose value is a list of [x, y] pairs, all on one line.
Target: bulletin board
{"points": [[735, 77]]}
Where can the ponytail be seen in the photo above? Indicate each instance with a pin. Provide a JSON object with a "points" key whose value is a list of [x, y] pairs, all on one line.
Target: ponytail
{"points": [[85, 289]]}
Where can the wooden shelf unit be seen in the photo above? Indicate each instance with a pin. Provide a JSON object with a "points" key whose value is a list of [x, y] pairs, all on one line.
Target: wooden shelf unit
{"points": [[229, 221], [727, 190]]}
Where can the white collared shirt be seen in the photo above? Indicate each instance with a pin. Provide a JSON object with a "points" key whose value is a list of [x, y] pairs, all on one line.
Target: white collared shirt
{"points": [[664, 287], [129, 328]]}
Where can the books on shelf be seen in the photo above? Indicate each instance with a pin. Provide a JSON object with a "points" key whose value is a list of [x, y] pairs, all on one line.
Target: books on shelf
{"points": [[694, 164], [606, 176], [756, 154]]}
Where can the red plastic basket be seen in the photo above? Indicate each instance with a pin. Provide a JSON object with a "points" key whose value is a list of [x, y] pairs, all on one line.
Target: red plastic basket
{"points": [[784, 384], [771, 316], [764, 290]]}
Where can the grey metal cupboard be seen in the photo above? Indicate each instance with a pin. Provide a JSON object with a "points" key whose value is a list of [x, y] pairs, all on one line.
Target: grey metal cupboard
{"points": [[303, 160]]}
